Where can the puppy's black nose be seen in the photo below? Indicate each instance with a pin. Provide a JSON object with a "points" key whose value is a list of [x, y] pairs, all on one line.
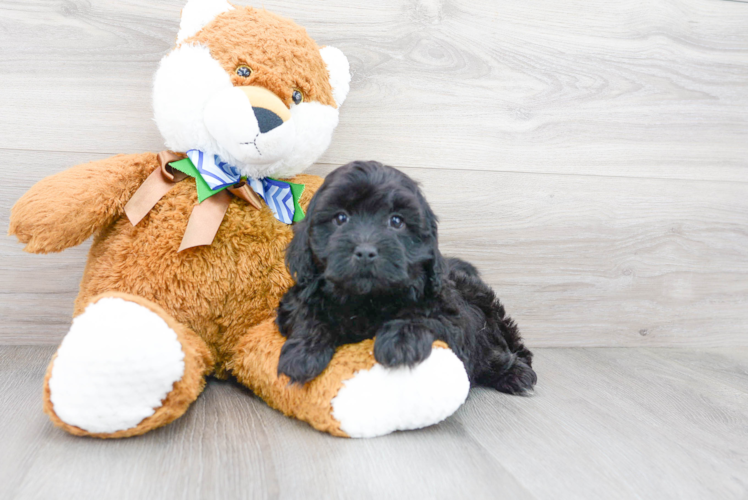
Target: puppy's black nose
{"points": [[365, 253], [266, 119]]}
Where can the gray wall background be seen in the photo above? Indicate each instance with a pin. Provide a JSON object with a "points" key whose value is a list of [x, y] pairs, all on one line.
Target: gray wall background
{"points": [[590, 157]]}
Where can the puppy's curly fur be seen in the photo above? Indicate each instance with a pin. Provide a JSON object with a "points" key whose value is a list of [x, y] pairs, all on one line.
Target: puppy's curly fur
{"points": [[367, 264]]}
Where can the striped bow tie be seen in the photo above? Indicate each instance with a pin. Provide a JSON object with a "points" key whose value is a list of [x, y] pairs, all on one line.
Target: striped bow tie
{"points": [[219, 175], [214, 179]]}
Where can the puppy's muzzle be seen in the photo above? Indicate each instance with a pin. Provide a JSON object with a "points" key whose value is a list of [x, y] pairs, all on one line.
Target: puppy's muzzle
{"points": [[267, 107]]}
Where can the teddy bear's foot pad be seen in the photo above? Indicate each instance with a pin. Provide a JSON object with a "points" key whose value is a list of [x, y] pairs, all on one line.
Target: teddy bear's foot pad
{"points": [[115, 367], [382, 400]]}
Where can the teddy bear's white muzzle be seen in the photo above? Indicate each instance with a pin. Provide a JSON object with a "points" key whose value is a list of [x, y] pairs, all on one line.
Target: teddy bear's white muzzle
{"points": [[255, 133]]}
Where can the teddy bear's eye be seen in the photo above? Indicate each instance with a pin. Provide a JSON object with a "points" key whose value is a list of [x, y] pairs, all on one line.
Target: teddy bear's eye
{"points": [[297, 97], [244, 71]]}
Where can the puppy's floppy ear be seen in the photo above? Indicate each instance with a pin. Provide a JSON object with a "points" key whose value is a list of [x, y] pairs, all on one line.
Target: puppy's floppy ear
{"points": [[299, 256], [436, 267], [436, 270]]}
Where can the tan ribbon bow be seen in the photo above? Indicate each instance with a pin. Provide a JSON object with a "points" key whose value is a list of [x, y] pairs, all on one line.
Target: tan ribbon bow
{"points": [[206, 217]]}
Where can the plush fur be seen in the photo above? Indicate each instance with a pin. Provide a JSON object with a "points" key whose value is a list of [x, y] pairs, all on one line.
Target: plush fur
{"points": [[367, 264], [219, 300], [128, 339], [198, 13], [198, 362], [197, 104], [416, 396]]}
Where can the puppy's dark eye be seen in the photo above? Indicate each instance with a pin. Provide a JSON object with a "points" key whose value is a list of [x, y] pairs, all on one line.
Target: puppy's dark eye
{"points": [[297, 97], [243, 70], [340, 218], [396, 221]]}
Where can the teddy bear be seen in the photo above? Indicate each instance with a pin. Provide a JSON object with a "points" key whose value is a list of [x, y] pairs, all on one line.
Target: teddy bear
{"points": [[186, 268]]}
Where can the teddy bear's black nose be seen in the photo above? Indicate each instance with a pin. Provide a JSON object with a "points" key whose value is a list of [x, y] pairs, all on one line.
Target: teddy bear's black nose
{"points": [[266, 119]]}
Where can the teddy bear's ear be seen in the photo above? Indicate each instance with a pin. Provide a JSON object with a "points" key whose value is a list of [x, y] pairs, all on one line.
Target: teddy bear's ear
{"points": [[197, 13], [340, 75]]}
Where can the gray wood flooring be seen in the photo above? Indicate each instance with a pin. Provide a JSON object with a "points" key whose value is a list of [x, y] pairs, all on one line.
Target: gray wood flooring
{"points": [[590, 157], [603, 423]]}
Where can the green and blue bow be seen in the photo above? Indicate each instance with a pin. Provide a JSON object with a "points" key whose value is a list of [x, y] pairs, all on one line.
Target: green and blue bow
{"points": [[212, 175]]}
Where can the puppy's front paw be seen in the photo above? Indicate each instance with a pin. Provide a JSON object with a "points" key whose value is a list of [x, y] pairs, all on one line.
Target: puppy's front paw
{"points": [[400, 343], [302, 360]]}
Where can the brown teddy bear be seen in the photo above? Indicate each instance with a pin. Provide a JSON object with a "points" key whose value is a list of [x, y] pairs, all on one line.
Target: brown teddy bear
{"points": [[187, 264]]}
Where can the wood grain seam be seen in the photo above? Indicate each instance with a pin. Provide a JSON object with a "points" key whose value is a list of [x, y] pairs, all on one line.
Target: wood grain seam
{"points": [[477, 170], [523, 172]]}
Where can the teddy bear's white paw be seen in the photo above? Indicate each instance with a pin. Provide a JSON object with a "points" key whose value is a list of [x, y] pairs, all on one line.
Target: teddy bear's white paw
{"points": [[115, 367], [382, 400]]}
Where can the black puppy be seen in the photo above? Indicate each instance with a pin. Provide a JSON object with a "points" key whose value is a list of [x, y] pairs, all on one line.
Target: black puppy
{"points": [[367, 264]]}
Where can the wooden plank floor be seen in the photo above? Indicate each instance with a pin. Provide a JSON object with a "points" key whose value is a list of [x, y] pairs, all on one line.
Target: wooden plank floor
{"points": [[589, 156], [603, 423]]}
